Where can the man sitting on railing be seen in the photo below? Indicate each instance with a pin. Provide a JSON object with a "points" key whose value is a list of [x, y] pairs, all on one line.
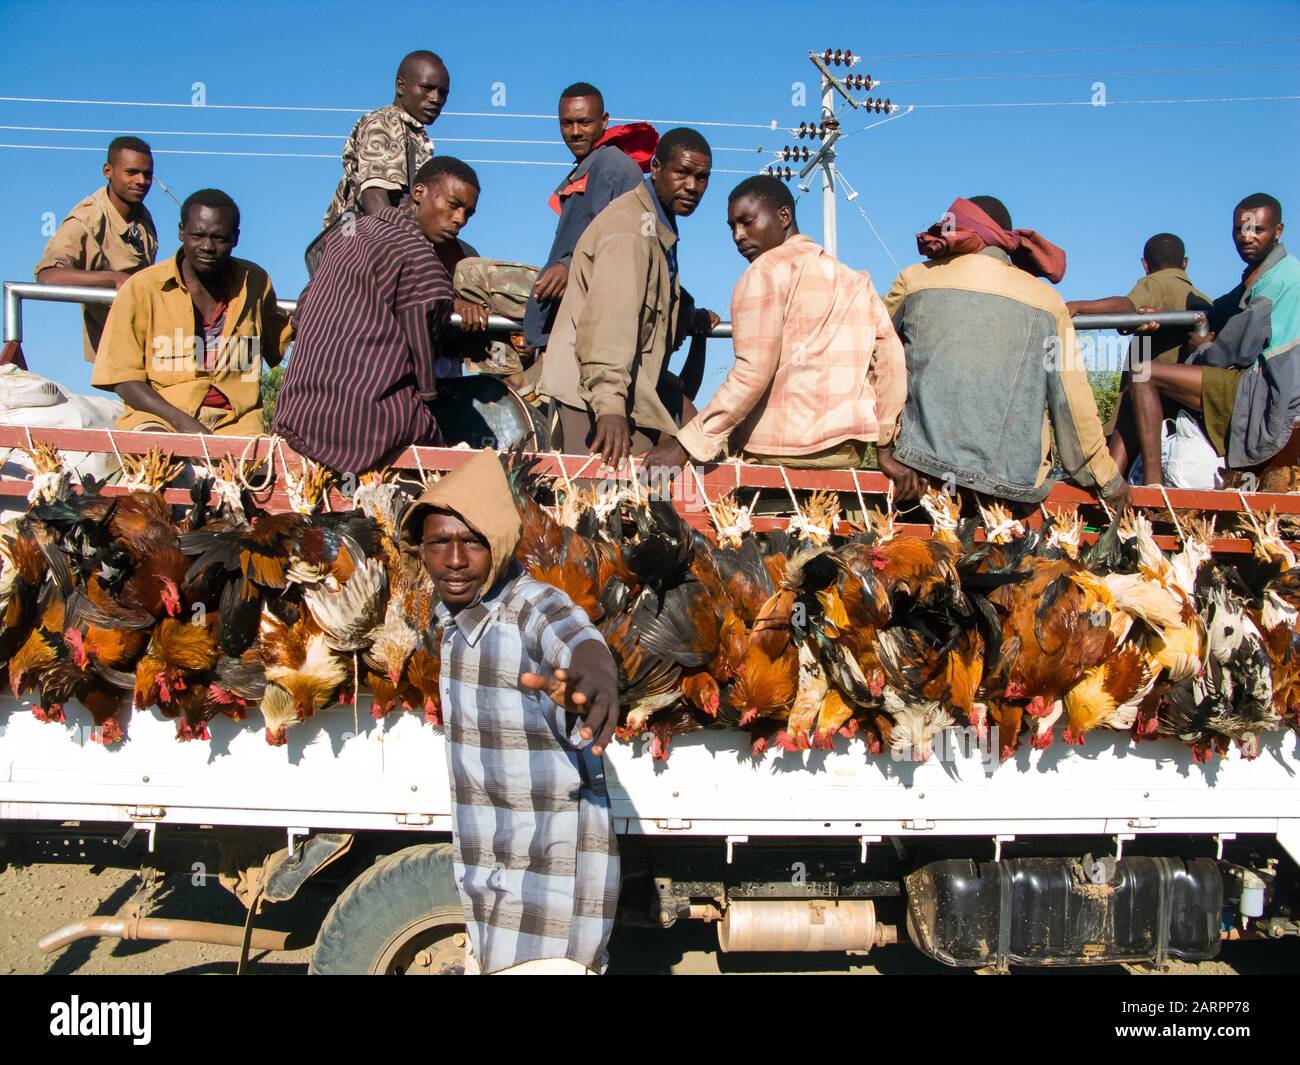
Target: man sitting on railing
{"points": [[819, 372], [108, 236], [185, 340], [1164, 287], [992, 362], [1244, 381], [373, 329]]}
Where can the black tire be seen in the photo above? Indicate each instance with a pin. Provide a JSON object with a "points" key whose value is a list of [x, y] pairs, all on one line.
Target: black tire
{"points": [[402, 915]]}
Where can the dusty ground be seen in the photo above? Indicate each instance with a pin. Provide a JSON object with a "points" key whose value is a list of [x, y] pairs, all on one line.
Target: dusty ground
{"points": [[37, 899]]}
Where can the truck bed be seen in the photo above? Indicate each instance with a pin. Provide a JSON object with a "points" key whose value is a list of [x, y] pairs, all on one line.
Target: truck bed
{"points": [[349, 772]]}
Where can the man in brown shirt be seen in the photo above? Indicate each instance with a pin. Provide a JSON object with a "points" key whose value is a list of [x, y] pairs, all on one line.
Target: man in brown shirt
{"points": [[387, 146], [606, 362], [108, 236], [186, 339], [1165, 287]]}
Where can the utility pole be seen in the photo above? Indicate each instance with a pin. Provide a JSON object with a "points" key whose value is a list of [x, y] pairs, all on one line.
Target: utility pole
{"points": [[828, 169], [829, 128]]}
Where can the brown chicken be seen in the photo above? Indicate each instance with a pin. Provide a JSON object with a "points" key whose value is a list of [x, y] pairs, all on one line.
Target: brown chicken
{"points": [[179, 654], [300, 663]]}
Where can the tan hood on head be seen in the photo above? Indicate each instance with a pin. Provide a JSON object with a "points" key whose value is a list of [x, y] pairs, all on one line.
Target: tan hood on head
{"points": [[479, 492]]}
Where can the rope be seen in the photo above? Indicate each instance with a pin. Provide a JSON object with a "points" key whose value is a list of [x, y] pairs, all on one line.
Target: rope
{"points": [[1174, 515], [636, 483], [699, 482], [270, 472], [790, 488], [121, 464], [1245, 503], [559, 459], [356, 694], [206, 457], [419, 467], [862, 501]]}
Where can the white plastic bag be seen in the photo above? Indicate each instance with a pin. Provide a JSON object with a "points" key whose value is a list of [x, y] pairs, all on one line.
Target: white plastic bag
{"points": [[29, 399], [1187, 455]]}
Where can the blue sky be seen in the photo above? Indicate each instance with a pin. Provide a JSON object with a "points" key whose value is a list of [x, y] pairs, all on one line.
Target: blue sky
{"points": [[1096, 180]]}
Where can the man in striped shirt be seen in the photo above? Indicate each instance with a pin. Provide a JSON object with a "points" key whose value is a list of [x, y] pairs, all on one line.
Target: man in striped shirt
{"points": [[373, 329], [534, 851]]}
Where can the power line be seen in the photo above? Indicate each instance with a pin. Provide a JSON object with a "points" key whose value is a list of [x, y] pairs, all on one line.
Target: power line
{"points": [[288, 136], [1114, 103], [851, 195], [881, 122], [1102, 48], [297, 136], [264, 155], [361, 111], [1088, 74], [304, 155]]}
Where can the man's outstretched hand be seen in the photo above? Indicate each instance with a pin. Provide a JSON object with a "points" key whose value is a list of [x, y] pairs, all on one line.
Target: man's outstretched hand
{"points": [[589, 687]]}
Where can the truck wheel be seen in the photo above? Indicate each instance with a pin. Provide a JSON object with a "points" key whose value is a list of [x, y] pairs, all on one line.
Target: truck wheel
{"points": [[401, 916]]}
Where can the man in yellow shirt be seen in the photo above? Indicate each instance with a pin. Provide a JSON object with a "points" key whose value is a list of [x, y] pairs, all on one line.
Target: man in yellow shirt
{"points": [[186, 339], [108, 236]]}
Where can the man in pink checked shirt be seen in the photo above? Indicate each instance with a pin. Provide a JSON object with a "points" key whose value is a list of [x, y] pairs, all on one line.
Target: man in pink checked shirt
{"points": [[819, 371]]}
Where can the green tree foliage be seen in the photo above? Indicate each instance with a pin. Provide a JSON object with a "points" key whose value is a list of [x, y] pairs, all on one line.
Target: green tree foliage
{"points": [[271, 382], [1105, 390]]}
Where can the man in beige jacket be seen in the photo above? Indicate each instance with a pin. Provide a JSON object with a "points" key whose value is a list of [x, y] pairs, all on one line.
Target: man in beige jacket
{"points": [[613, 333]]}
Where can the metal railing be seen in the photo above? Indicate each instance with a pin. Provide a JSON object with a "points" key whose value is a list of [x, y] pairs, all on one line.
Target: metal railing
{"points": [[1194, 320], [15, 292], [18, 291]]}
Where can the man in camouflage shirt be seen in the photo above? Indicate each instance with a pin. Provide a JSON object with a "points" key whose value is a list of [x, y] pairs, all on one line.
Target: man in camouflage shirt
{"points": [[388, 146]]}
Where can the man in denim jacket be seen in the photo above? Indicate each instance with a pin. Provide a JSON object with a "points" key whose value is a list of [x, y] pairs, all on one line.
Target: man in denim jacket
{"points": [[993, 370]]}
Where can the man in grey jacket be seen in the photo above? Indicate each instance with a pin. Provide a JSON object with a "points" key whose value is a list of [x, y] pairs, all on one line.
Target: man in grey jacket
{"points": [[602, 172]]}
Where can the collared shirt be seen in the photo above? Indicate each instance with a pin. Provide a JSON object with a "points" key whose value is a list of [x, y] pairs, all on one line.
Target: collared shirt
{"points": [[383, 151], [670, 220], [151, 336], [95, 236], [1169, 289], [370, 323], [534, 850], [817, 360]]}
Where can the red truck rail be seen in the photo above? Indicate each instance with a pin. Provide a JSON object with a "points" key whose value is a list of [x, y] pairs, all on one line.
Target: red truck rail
{"points": [[857, 488]]}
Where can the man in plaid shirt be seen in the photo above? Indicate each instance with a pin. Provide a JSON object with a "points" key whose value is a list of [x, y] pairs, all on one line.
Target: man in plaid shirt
{"points": [[535, 855], [819, 374]]}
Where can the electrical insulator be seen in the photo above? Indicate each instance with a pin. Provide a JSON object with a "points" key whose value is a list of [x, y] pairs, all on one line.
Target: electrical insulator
{"points": [[809, 131], [784, 173], [848, 58]]}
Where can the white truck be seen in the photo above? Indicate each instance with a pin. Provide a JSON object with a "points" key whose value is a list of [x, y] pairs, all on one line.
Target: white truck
{"points": [[1108, 852], [1101, 853]]}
